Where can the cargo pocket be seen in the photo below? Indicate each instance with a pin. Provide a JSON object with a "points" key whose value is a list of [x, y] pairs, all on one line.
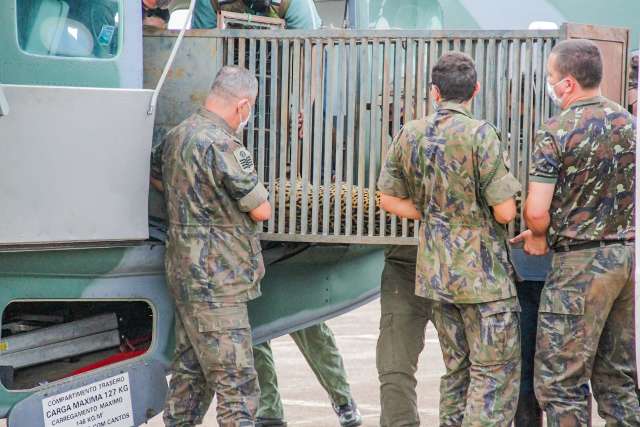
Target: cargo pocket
{"points": [[562, 301], [227, 334], [385, 348], [499, 332], [561, 323]]}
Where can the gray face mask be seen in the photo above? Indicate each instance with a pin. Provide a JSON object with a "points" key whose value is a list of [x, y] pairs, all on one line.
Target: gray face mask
{"points": [[552, 93]]}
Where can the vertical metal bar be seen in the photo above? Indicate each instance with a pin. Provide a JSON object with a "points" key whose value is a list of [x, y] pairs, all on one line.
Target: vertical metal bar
{"points": [[538, 83], [285, 120], [547, 104], [526, 123], [262, 108], [273, 130], [503, 84], [343, 100], [295, 111], [306, 139], [420, 83], [230, 50], [433, 58], [219, 58], [409, 113], [514, 133], [241, 51], [365, 76], [478, 102], [420, 96], [252, 123], [351, 119], [329, 103], [386, 92], [317, 132], [397, 99], [490, 82], [468, 47], [374, 140]]}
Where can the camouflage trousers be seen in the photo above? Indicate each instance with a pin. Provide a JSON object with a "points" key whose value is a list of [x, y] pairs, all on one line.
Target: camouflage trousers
{"points": [[318, 346], [586, 332], [213, 358], [481, 350], [404, 317]]}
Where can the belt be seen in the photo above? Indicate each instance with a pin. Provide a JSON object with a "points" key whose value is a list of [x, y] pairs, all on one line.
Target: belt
{"points": [[589, 245]]}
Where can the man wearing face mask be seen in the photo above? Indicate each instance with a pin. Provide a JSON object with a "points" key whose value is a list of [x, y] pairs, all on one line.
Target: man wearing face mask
{"points": [[581, 204], [213, 257]]}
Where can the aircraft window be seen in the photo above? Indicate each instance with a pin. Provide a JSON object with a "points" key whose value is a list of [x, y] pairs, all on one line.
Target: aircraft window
{"points": [[69, 28]]}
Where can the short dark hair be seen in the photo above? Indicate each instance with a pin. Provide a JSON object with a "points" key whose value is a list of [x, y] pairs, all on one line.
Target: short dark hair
{"points": [[456, 77], [580, 59]]}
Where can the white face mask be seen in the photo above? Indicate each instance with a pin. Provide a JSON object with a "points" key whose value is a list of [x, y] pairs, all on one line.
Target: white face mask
{"points": [[243, 124], [552, 93]]}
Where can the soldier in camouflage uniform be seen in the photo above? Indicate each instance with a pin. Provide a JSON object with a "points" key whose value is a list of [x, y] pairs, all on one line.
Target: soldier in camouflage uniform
{"points": [[213, 256], [581, 203], [404, 317], [448, 170]]}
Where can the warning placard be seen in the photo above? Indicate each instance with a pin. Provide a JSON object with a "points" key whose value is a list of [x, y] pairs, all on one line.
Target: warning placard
{"points": [[105, 403]]}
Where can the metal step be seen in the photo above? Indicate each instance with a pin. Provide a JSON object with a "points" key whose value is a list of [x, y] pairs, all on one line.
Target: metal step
{"points": [[58, 333], [61, 350]]}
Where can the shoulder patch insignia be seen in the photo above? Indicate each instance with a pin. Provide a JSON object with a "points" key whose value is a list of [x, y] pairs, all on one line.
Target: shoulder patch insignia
{"points": [[244, 159]]}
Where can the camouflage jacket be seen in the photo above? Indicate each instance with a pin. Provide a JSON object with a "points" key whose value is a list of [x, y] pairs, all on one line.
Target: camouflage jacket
{"points": [[451, 165], [588, 152], [213, 252]]}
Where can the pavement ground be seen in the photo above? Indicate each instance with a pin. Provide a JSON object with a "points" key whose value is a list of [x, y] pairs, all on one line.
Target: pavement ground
{"points": [[306, 403]]}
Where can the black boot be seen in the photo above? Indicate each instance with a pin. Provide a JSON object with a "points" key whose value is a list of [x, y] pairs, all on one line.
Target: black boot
{"points": [[270, 422], [528, 413]]}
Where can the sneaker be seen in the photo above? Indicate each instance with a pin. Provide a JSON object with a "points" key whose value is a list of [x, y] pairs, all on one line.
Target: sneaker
{"points": [[348, 414], [270, 422]]}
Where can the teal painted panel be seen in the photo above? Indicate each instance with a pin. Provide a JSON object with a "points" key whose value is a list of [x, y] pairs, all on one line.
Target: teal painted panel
{"points": [[612, 13]]}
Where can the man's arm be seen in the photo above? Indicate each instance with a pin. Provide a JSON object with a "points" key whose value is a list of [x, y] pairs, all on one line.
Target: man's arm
{"points": [[505, 212], [157, 184], [544, 172], [536, 209], [404, 208], [241, 181], [392, 182], [261, 213], [499, 186], [537, 218]]}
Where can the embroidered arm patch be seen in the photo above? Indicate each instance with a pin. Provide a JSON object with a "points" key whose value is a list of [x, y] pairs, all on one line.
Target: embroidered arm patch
{"points": [[244, 159]]}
